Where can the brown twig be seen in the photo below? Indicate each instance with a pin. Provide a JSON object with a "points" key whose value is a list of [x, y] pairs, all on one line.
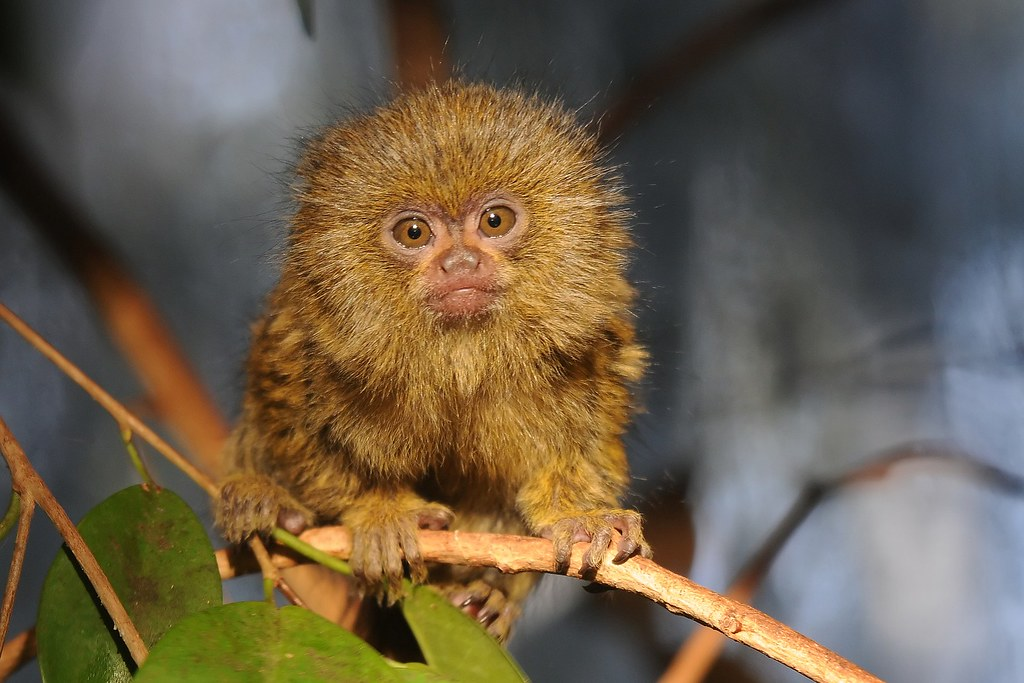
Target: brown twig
{"points": [[131, 317], [712, 42], [30, 486], [18, 651], [27, 508], [271, 574], [698, 653], [109, 403], [676, 593]]}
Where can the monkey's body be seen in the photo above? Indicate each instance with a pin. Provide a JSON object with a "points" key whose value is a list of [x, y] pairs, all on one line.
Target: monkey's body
{"points": [[476, 380]]}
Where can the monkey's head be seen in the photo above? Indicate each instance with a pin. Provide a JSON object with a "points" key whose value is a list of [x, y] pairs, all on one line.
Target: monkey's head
{"points": [[461, 207]]}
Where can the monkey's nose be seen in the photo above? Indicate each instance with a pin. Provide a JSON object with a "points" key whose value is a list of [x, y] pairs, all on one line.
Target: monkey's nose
{"points": [[460, 260]]}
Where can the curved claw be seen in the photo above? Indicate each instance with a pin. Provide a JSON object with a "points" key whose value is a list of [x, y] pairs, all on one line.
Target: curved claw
{"points": [[632, 541], [627, 548]]}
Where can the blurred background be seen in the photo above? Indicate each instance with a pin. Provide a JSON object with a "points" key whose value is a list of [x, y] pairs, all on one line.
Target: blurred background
{"points": [[829, 200]]}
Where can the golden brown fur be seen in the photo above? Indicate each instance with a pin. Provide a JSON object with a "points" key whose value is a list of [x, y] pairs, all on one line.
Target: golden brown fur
{"points": [[365, 406]]}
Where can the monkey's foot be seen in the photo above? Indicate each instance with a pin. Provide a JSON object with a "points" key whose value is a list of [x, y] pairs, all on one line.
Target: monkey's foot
{"points": [[486, 603], [383, 533], [251, 503], [596, 526]]}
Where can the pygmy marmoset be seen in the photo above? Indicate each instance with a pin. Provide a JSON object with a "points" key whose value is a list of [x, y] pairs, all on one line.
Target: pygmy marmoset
{"points": [[450, 345]]}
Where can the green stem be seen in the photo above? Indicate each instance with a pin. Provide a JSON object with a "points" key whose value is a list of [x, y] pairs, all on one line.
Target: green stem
{"points": [[308, 551], [136, 458], [12, 514]]}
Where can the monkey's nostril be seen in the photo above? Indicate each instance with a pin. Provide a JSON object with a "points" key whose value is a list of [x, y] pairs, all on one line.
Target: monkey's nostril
{"points": [[460, 261]]}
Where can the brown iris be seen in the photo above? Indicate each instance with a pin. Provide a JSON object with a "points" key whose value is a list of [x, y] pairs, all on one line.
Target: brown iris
{"points": [[412, 233], [496, 221]]}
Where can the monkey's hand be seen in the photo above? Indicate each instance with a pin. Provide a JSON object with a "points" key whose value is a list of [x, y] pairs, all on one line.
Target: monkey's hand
{"points": [[597, 526], [384, 529], [251, 503], [489, 605]]}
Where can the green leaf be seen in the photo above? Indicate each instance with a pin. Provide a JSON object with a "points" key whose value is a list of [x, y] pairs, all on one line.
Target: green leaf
{"points": [[455, 645], [414, 672], [253, 641], [160, 562]]}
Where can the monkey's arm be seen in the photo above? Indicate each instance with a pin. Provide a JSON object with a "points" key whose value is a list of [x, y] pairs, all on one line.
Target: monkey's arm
{"points": [[293, 463], [573, 496]]}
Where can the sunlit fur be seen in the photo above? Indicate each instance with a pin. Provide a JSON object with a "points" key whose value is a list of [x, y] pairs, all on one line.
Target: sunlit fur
{"points": [[363, 401]]}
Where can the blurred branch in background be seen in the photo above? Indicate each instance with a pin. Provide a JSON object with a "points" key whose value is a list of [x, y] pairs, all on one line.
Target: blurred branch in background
{"points": [[419, 32], [710, 43], [130, 316], [17, 652]]}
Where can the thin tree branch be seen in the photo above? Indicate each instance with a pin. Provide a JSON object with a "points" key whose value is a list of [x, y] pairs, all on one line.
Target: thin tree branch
{"points": [[30, 486], [109, 403], [512, 554], [271, 574], [27, 508]]}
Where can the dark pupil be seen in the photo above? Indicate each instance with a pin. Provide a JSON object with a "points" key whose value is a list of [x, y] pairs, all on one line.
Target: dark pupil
{"points": [[493, 220], [414, 232]]}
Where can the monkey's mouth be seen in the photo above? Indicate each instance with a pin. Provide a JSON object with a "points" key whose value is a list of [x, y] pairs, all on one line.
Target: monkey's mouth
{"points": [[461, 300]]}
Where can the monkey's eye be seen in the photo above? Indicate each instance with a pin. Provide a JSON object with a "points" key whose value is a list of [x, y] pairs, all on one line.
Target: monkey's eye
{"points": [[412, 233], [497, 221]]}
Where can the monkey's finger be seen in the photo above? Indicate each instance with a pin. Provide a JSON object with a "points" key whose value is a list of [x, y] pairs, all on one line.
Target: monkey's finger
{"points": [[292, 521], [563, 549], [434, 517], [392, 569], [496, 605], [594, 556], [485, 604], [563, 534], [595, 588], [487, 616], [411, 550], [365, 558], [630, 524]]}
